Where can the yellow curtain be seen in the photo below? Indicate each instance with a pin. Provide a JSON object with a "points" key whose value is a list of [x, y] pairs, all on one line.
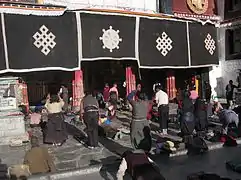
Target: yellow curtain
{"points": [[196, 84]]}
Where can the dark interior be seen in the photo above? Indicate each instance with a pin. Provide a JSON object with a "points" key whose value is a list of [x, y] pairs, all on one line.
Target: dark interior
{"points": [[97, 73]]}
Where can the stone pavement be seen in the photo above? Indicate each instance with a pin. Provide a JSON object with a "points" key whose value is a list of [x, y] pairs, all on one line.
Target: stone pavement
{"points": [[179, 168], [74, 155], [71, 155]]}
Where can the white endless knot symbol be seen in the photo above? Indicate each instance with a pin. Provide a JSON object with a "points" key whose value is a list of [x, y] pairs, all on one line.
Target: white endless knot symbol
{"points": [[44, 39], [110, 39], [164, 44], [210, 44]]}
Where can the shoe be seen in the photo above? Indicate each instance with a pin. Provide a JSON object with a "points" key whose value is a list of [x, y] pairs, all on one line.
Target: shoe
{"points": [[91, 147], [164, 131], [163, 134], [97, 148]]}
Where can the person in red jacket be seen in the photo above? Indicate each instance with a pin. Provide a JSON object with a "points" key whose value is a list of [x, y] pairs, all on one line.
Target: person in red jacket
{"points": [[106, 92]]}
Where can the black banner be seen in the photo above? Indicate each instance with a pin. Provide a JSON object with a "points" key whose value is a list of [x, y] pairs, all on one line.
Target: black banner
{"points": [[2, 53], [163, 43], [203, 44], [107, 36], [42, 42]]}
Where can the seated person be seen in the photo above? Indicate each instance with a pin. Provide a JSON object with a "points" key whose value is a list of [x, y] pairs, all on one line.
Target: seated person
{"points": [[38, 158], [139, 166], [35, 117], [226, 117], [146, 143]]}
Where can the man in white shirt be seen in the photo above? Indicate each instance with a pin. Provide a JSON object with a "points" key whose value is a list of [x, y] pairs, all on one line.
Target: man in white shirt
{"points": [[163, 109]]}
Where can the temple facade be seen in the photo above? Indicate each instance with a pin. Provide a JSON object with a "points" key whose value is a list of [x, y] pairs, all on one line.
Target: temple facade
{"points": [[48, 36]]}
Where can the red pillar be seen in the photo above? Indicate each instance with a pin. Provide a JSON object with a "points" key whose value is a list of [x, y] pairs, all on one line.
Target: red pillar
{"points": [[78, 89], [130, 80], [23, 86], [128, 77], [171, 85]]}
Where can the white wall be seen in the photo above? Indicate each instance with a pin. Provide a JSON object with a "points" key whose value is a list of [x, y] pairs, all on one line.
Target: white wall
{"points": [[227, 69], [214, 79], [133, 5]]}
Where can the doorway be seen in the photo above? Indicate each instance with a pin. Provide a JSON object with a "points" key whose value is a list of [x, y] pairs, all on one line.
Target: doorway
{"points": [[39, 84], [97, 73]]}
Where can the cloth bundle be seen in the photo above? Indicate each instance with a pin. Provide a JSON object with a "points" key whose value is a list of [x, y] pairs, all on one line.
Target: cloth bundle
{"points": [[168, 146], [234, 165], [19, 171], [205, 176]]}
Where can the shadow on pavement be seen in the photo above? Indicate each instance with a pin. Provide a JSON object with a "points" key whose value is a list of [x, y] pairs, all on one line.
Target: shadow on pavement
{"points": [[108, 171], [112, 146]]}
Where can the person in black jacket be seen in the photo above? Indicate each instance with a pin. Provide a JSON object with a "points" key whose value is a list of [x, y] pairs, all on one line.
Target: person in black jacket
{"points": [[90, 111], [201, 116], [187, 118]]}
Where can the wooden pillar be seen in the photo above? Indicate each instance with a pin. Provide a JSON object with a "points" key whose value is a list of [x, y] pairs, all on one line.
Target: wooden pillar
{"points": [[171, 85], [128, 77], [174, 90], [78, 89], [23, 86], [130, 80]]}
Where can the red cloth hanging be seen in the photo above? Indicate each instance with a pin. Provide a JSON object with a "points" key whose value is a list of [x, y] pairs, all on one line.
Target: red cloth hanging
{"points": [[78, 90], [24, 95]]}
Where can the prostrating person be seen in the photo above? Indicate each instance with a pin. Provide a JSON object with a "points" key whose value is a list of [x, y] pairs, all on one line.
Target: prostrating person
{"points": [[229, 93], [55, 131], [226, 117], [139, 118], [163, 109], [90, 111], [38, 159], [139, 166], [113, 100]]}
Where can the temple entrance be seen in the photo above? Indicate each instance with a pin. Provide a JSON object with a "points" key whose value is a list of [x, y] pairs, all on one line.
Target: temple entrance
{"points": [[39, 84], [97, 73], [151, 76]]}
